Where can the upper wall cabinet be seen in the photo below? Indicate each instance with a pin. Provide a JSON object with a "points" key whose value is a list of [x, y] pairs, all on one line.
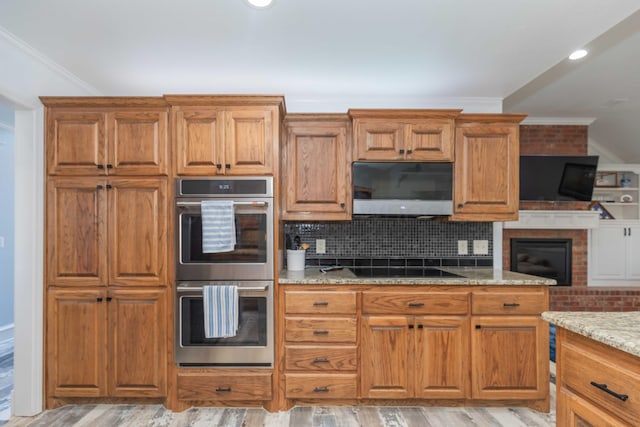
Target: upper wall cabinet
{"points": [[316, 172], [486, 169], [226, 135], [106, 136], [403, 135]]}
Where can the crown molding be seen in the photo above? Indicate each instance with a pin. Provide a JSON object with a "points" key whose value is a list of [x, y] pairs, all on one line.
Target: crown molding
{"points": [[569, 121], [48, 62]]}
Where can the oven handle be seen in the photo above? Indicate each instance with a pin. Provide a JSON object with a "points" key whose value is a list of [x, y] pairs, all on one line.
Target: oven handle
{"points": [[240, 288], [257, 204]]}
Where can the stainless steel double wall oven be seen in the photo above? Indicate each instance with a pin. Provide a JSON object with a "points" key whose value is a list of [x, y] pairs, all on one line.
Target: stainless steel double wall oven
{"points": [[249, 266]]}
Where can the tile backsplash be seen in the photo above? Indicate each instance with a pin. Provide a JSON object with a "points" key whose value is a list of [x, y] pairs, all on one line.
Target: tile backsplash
{"points": [[392, 238]]}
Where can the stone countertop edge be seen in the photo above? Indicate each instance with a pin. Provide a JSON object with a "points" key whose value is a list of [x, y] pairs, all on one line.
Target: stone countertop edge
{"points": [[470, 276], [620, 330]]}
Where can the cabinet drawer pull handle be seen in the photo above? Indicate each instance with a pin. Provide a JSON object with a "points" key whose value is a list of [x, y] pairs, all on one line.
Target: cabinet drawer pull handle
{"points": [[321, 389], [320, 303], [320, 332], [416, 304], [321, 360], [223, 389], [511, 304], [625, 231], [604, 388]]}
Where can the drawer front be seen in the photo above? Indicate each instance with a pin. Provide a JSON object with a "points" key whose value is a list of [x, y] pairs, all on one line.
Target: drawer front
{"points": [[315, 302], [320, 358], [320, 386], [509, 303], [199, 386], [589, 373], [318, 329], [375, 302]]}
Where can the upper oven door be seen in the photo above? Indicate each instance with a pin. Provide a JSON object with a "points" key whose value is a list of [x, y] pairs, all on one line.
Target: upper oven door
{"points": [[252, 258]]}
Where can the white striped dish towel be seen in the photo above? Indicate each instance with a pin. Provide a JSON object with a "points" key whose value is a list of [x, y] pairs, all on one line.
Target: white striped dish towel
{"points": [[218, 226], [220, 311]]}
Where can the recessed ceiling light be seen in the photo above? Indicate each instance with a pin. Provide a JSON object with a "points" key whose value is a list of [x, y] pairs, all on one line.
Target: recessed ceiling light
{"points": [[580, 53], [260, 4]]}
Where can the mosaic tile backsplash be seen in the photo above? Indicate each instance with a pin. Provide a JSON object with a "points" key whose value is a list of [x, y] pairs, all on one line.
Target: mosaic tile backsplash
{"points": [[392, 238]]}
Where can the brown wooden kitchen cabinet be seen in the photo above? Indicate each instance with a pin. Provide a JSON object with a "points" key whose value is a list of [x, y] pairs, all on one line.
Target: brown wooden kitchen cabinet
{"points": [[486, 167], [597, 384], [316, 170], [107, 231], [424, 355], [403, 135], [226, 135], [510, 344], [106, 343], [106, 136], [320, 345]]}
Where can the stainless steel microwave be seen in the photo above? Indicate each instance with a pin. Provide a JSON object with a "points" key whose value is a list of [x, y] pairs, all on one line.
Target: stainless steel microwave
{"points": [[402, 188]]}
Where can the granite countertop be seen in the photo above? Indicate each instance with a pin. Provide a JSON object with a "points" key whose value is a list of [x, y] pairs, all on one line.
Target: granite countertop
{"points": [[620, 330], [470, 276]]}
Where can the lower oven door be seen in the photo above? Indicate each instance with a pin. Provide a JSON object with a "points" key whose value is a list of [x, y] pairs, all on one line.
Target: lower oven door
{"points": [[253, 343]]}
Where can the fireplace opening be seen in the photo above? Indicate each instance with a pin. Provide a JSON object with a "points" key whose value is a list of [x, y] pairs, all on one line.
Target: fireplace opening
{"points": [[550, 258]]}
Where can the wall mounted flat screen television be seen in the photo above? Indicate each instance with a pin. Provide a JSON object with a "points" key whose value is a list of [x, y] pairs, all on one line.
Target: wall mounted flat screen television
{"points": [[557, 178]]}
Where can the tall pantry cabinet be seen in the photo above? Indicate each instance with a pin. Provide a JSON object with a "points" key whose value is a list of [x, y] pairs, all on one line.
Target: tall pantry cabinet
{"points": [[106, 244]]}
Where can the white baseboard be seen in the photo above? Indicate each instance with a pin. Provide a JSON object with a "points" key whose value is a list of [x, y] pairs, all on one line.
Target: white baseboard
{"points": [[6, 337]]}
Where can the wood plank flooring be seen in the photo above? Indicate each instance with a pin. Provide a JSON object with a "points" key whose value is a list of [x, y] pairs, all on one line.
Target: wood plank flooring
{"points": [[318, 416]]}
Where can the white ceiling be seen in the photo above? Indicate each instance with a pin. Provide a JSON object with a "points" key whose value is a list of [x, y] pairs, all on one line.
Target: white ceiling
{"points": [[383, 51]]}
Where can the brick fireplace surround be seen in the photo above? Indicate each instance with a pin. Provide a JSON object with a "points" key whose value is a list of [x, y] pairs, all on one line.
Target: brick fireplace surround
{"points": [[567, 140]]}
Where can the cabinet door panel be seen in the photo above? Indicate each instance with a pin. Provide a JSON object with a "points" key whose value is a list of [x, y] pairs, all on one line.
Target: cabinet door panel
{"points": [[76, 212], [199, 136], [431, 141], [386, 365], [249, 142], [486, 171], [378, 140], [75, 142], [76, 343], [137, 143], [442, 357], [138, 335], [138, 232], [607, 258], [317, 176], [633, 252], [509, 356], [573, 411]]}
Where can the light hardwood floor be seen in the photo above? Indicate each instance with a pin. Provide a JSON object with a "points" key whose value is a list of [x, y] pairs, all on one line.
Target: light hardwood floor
{"points": [[347, 416]]}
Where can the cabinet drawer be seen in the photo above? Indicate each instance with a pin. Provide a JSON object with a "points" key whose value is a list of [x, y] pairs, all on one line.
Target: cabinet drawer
{"points": [[415, 302], [314, 302], [321, 358], [588, 371], [510, 303], [200, 386], [320, 386], [318, 329]]}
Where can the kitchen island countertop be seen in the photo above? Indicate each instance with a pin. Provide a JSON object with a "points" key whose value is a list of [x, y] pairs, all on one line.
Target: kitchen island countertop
{"points": [[469, 276], [620, 330]]}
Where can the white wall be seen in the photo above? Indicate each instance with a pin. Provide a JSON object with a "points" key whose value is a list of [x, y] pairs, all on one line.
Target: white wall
{"points": [[24, 76]]}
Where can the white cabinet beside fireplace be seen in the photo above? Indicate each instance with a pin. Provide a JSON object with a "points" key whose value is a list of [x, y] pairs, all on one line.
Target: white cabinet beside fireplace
{"points": [[614, 253]]}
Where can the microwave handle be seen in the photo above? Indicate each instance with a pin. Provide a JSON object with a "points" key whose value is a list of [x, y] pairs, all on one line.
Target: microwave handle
{"points": [[240, 289], [260, 204]]}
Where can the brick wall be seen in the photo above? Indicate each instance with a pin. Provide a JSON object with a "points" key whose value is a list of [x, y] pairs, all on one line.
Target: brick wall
{"points": [[567, 140]]}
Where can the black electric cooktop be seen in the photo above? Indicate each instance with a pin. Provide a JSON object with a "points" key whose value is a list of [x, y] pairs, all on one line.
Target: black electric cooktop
{"points": [[401, 272]]}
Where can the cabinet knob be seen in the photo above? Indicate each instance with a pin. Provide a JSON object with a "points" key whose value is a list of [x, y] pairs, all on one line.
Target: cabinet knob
{"points": [[109, 299], [227, 166], [401, 151], [342, 205], [99, 299], [218, 166], [99, 187], [109, 186], [460, 205], [409, 151], [100, 166], [109, 166], [411, 326]]}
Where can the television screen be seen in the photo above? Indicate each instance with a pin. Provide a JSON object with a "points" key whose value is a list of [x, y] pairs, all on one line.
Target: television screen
{"points": [[557, 178]]}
